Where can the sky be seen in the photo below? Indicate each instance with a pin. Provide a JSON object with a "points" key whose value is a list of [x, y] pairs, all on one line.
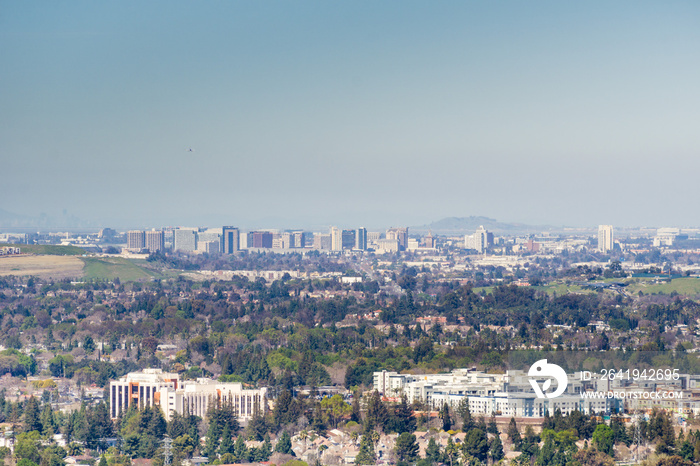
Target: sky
{"points": [[373, 113]]}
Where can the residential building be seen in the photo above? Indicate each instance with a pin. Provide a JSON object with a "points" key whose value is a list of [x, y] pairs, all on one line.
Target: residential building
{"points": [[605, 238], [135, 240], [481, 240], [155, 240], [336, 239]]}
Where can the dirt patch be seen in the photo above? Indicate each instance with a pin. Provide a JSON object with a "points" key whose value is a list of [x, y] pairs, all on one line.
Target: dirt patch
{"points": [[55, 267]]}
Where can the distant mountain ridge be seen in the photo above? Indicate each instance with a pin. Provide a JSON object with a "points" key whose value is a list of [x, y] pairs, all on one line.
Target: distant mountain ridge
{"points": [[462, 225], [11, 220]]}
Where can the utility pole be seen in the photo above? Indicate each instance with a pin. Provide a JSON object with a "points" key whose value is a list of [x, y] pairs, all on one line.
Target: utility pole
{"points": [[167, 450], [638, 435]]}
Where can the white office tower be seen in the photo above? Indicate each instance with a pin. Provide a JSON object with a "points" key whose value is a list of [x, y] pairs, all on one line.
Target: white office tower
{"points": [[605, 238], [185, 240], [480, 240], [336, 239]]}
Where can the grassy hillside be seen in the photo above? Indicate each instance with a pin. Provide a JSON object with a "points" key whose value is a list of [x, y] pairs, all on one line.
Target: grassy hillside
{"points": [[48, 249], [109, 268]]}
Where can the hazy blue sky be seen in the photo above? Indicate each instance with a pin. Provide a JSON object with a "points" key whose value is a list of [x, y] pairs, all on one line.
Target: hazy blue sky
{"points": [[374, 113]]}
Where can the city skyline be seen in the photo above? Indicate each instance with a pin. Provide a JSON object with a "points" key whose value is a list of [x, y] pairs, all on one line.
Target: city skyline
{"points": [[398, 113]]}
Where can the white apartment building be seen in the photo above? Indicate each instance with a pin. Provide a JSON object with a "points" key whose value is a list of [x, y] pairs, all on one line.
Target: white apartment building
{"points": [[153, 387], [605, 238], [508, 394]]}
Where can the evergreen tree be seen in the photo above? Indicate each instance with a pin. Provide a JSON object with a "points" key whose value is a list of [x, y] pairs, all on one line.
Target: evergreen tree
{"points": [[377, 413], [284, 444], [496, 449], [265, 449], [476, 444], [446, 418], [403, 418], [226, 445], [240, 450], [432, 451], [366, 455], [32, 415], [514, 434], [406, 447]]}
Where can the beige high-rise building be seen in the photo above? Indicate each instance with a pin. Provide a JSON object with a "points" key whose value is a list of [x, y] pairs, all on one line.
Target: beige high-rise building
{"points": [[136, 240], [336, 239], [605, 238], [155, 241]]}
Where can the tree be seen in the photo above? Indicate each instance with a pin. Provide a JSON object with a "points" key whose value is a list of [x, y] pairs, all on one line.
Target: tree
{"points": [[591, 457], [377, 413], [403, 419], [366, 454], [476, 444], [432, 451], [603, 439], [226, 445], [496, 449], [284, 444], [32, 420], [451, 450], [336, 408], [466, 414], [514, 434], [445, 416], [240, 450], [406, 447]]}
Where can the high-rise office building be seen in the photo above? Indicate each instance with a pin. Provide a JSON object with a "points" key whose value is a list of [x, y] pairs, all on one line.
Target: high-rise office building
{"points": [[348, 239], [336, 239], [299, 239], [231, 240], [605, 238], [185, 240], [155, 240], [400, 235], [136, 240], [361, 239], [259, 239]]}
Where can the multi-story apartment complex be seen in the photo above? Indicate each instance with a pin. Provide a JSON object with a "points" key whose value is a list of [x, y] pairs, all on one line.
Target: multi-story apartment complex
{"points": [[605, 238], [135, 240], [507, 394], [336, 239], [155, 240], [153, 387], [481, 240]]}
